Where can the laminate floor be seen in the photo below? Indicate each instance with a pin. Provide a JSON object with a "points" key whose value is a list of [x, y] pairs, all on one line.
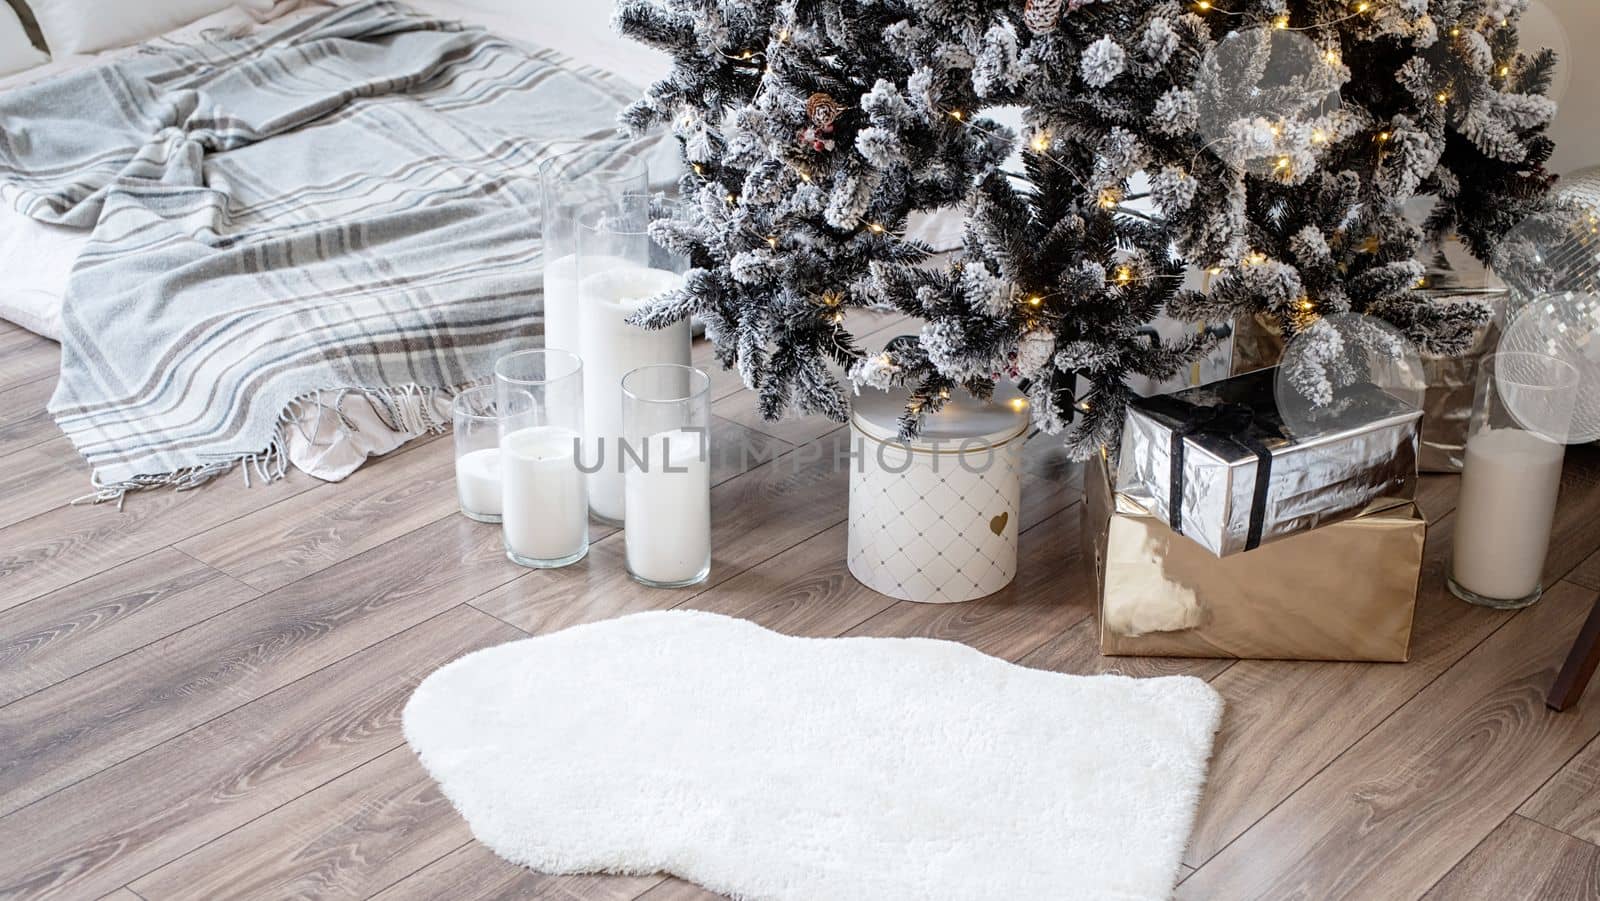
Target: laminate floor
{"points": [[200, 694]]}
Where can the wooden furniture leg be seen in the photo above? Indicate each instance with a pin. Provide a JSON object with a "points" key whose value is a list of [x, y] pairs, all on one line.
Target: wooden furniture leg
{"points": [[1580, 665]]}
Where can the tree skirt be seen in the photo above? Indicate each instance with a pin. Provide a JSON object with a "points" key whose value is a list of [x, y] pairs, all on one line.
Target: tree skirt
{"points": [[769, 767]]}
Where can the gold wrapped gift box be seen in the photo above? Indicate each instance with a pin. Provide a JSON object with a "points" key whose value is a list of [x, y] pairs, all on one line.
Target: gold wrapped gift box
{"points": [[1346, 591]]}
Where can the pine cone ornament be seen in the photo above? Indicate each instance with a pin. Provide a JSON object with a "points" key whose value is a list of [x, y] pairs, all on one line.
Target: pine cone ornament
{"points": [[822, 110], [1041, 16]]}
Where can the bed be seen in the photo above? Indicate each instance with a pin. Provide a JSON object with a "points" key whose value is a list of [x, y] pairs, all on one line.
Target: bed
{"points": [[327, 433], [183, 422], [36, 257]]}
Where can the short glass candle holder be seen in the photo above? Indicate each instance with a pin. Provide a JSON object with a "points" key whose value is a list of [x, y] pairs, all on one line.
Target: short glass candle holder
{"points": [[1515, 446], [477, 438], [544, 500], [666, 461]]}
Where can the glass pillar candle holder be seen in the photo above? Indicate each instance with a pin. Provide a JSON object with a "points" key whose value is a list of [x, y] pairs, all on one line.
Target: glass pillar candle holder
{"points": [[666, 456], [1515, 446], [544, 502], [592, 174], [620, 270], [477, 437]]}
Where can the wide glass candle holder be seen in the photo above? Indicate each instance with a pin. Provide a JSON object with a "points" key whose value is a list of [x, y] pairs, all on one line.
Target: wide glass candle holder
{"points": [[666, 456], [544, 502], [477, 437], [1515, 446], [620, 270], [592, 174]]}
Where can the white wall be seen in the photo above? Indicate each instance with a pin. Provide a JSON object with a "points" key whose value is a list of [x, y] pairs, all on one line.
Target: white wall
{"points": [[1572, 29]]}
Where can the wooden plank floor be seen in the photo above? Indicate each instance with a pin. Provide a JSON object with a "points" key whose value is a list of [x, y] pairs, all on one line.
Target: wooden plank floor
{"points": [[200, 694]]}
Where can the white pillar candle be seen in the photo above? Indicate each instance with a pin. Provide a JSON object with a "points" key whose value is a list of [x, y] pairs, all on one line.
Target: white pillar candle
{"points": [[1507, 507], [612, 347], [561, 328], [562, 323], [668, 531], [478, 481], [545, 512]]}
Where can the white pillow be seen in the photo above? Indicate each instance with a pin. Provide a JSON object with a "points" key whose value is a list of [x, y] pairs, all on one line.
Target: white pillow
{"points": [[85, 26], [16, 51]]}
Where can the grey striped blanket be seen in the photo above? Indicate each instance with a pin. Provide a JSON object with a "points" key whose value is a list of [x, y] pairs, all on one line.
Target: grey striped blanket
{"points": [[346, 203]]}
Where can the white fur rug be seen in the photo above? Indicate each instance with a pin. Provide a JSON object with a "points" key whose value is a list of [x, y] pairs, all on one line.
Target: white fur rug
{"points": [[769, 767]]}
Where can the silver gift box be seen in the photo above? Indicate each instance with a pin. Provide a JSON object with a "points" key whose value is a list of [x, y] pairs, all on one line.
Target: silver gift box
{"points": [[1360, 452]]}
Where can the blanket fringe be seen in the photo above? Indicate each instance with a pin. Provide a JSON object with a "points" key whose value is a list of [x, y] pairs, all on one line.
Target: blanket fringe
{"points": [[409, 408]]}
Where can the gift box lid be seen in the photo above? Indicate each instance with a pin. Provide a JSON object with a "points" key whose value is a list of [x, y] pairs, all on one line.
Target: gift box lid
{"points": [[1358, 408], [963, 418]]}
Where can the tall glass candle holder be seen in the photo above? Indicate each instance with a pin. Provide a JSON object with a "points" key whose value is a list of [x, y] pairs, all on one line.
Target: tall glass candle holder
{"points": [[477, 437], [592, 174], [1515, 446], [620, 269], [666, 413], [545, 506]]}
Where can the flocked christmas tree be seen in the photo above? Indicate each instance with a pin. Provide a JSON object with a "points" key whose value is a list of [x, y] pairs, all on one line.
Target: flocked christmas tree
{"points": [[811, 131], [1280, 143]]}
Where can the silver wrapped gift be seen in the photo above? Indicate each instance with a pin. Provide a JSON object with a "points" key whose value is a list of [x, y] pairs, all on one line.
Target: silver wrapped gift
{"points": [[1220, 466]]}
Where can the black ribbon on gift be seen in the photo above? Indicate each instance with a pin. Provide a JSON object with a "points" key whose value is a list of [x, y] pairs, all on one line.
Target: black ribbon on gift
{"points": [[1232, 422]]}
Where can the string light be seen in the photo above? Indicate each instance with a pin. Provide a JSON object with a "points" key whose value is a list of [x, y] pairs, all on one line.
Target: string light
{"points": [[1318, 136], [772, 241], [1041, 142], [1443, 98], [1018, 404], [1109, 198], [1283, 162], [1204, 5], [1333, 57], [1256, 258], [1281, 23], [944, 393], [730, 199], [698, 169], [1384, 136], [1504, 71], [1035, 300], [1363, 6], [955, 114], [1124, 275], [1306, 304], [875, 228]]}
